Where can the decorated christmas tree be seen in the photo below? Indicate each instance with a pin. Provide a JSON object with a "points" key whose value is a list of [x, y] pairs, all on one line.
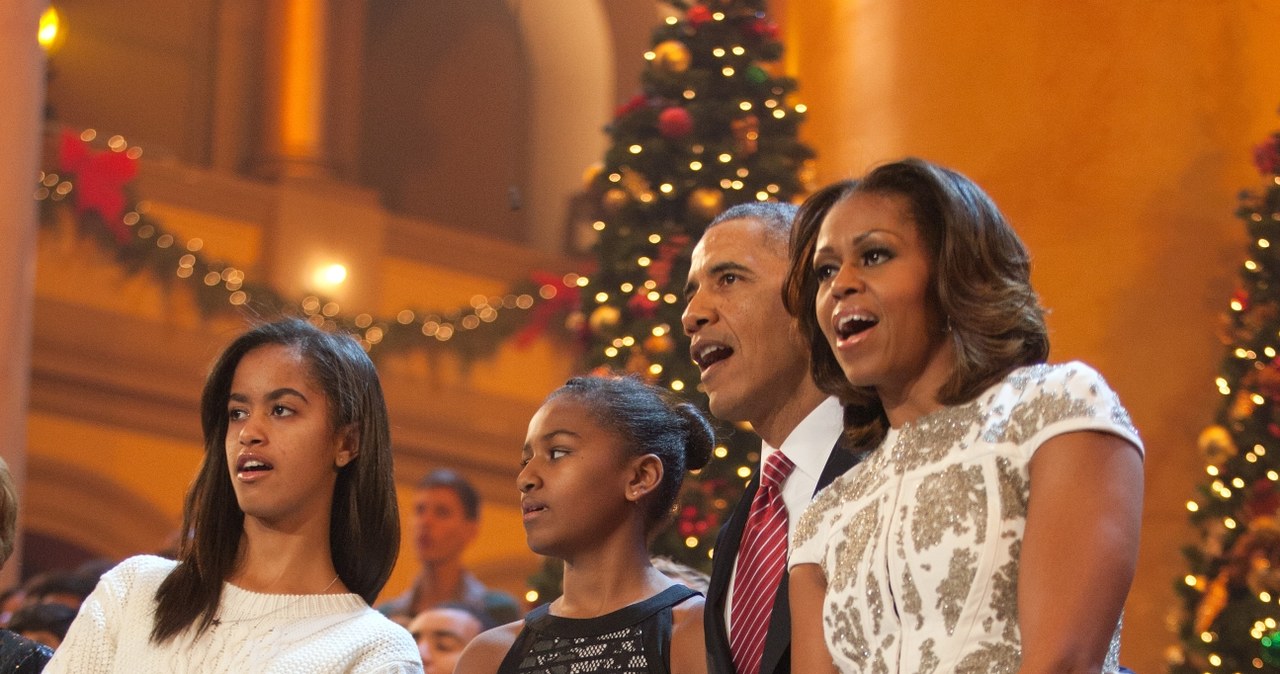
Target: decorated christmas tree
{"points": [[1229, 619], [714, 125]]}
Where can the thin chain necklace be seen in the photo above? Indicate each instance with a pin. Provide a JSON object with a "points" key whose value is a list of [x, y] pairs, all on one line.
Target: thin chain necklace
{"points": [[218, 621]]}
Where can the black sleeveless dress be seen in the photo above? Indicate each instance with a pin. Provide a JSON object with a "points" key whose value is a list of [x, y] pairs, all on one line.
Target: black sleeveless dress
{"points": [[635, 639]]}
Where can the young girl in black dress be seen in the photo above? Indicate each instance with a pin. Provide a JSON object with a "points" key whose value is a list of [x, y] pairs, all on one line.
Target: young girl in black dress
{"points": [[602, 466]]}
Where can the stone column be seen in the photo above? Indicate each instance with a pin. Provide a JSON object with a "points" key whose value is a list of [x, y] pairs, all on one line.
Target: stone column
{"points": [[295, 126], [22, 70]]}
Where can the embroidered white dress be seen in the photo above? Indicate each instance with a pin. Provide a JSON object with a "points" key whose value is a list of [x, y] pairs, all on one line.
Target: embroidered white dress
{"points": [[920, 542]]}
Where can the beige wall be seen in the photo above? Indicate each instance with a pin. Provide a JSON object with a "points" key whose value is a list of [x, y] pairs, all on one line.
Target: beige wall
{"points": [[1115, 137]]}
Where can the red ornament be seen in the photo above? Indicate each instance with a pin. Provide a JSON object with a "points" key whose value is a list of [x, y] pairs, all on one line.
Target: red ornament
{"points": [[763, 29], [100, 178], [1263, 499], [675, 122], [698, 15], [1266, 156], [635, 103], [1242, 297], [660, 268], [641, 306]]}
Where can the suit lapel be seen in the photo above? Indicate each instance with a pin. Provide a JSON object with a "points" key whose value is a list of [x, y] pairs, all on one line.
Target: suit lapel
{"points": [[720, 660]]}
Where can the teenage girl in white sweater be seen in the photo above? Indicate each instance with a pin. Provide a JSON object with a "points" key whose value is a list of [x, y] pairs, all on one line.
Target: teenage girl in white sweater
{"points": [[292, 522]]}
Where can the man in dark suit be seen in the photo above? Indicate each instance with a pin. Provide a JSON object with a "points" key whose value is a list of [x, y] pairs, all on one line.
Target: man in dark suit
{"points": [[755, 369]]}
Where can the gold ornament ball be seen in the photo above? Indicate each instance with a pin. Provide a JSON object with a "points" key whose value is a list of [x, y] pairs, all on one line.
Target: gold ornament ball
{"points": [[672, 56], [604, 317], [706, 202], [659, 344], [614, 199], [1216, 444]]}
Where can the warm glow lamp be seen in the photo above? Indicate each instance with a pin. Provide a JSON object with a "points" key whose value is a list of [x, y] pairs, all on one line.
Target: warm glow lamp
{"points": [[329, 277], [50, 33]]}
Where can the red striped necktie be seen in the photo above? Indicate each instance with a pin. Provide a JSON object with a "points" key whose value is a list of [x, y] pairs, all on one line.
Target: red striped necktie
{"points": [[762, 558]]}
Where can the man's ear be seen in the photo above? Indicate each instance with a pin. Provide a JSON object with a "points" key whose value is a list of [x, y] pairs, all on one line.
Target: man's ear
{"points": [[348, 446], [645, 476]]}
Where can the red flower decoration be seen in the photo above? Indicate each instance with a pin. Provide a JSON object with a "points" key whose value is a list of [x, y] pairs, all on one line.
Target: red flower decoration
{"points": [[1266, 156], [100, 178], [566, 298], [638, 101], [698, 15]]}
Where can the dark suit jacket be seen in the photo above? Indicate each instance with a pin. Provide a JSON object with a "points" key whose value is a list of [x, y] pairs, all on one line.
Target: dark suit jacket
{"points": [[777, 645]]}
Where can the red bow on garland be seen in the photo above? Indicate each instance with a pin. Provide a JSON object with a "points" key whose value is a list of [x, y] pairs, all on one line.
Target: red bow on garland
{"points": [[100, 178], [565, 299]]}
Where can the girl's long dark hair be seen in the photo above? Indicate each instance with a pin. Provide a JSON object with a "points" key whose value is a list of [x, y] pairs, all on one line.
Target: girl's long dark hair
{"points": [[364, 528]]}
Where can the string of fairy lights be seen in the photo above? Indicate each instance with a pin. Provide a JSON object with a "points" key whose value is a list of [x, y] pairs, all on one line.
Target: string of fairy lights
{"points": [[186, 259], [1236, 507]]}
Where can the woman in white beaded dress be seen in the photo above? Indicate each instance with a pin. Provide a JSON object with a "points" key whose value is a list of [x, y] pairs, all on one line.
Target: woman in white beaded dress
{"points": [[995, 527], [293, 528]]}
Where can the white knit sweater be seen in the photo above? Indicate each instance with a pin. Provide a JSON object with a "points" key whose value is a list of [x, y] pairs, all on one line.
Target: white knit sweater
{"points": [[255, 632]]}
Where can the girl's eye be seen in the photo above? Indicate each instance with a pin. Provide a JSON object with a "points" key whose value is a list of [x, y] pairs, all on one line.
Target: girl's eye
{"points": [[524, 461], [236, 414], [281, 411], [558, 453]]}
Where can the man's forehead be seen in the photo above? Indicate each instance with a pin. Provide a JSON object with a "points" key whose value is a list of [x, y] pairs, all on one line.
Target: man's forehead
{"points": [[736, 241]]}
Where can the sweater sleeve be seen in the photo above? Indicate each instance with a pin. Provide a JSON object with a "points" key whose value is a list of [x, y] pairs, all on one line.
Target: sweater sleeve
{"points": [[398, 667], [91, 642]]}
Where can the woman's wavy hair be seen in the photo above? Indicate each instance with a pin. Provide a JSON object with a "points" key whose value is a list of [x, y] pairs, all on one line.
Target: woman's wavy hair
{"points": [[364, 527], [650, 421], [981, 278]]}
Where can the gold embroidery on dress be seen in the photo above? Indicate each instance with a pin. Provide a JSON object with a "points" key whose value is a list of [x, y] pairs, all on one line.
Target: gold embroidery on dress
{"points": [[991, 658], [1004, 594], [1028, 417], [1014, 490], [954, 589], [875, 603], [911, 602], [928, 658], [928, 439], [854, 543], [950, 500], [844, 624]]}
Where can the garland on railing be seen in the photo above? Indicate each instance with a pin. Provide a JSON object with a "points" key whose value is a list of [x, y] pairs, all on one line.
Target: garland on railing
{"points": [[94, 185]]}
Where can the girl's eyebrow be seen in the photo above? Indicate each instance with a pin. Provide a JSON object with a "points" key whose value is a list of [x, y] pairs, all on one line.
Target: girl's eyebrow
{"points": [[272, 396], [551, 434]]}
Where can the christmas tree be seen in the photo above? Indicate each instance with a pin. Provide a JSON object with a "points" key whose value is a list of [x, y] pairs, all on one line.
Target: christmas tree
{"points": [[1230, 613], [715, 125]]}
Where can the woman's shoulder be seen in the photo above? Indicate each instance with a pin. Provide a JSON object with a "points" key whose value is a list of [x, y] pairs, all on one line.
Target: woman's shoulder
{"points": [[140, 570], [380, 642], [1042, 397], [485, 652], [1074, 376]]}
